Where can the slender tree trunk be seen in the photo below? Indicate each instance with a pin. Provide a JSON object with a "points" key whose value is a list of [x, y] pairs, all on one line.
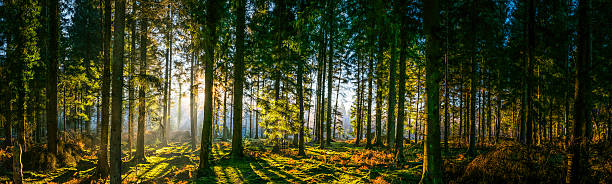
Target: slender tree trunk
{"points": [[359, 102], [238, 80], [330, 73], [321, 125], [472, 127], [140, 157], [461, 102], [401, 98], [103, 167], [52, 77], [391, 97], [499, 106], [131, 94], [117, 106], [193, 113], [256, 110], [446, 94], [432, 163], [211, 39], [379, 94], [369, 113], [300, 79], [472, 114], [577, 165], [416, 121]]}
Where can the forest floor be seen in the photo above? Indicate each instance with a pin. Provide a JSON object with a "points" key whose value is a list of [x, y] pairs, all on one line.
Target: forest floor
{"points": [[341, 162]]}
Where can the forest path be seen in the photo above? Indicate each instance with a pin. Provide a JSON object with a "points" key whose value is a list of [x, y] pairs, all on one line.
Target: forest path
{"points": [[177, 162]]}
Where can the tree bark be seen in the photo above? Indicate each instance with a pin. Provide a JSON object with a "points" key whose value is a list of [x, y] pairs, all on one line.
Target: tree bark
{"points": [[139, 156], [52, 77], [211, 39], [401, 98], [131, 94], [391, 97], [330, 73], [238, 79], [103, 167], [117, 82], [432, 163], [577, 165]]}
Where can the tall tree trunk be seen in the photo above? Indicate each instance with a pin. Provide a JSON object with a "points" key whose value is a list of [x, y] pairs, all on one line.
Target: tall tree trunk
{"points": [[391, 97], [432, 163], [211, 39], [103, 167], [359, 102], [140, 157], [473, 64], [577, 164], [401, 98], [379, 94], [330, 72], [472, 114], [369, 113], [461, 102], [117, 109], [225, 125], [446, 94], [193, 88], [52, 77], [336, 105], [321, 126], [131, 94], [528, 73], [238, 80]]}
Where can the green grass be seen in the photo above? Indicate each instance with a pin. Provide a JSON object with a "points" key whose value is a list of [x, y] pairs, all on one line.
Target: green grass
{"points": [[177, 163]]}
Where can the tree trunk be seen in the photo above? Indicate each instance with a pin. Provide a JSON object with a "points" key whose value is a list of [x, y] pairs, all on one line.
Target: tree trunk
{"points": [[211, 39], [369, 113], [117, 106], [432, 163], [401, 98], [359, 102], [103, 167], [391, 97], [330, 73], [578, 149], [131, 84], [238, 80], [52, 77], [472, 114], [379, 94], [193, 88], [140, 157]]}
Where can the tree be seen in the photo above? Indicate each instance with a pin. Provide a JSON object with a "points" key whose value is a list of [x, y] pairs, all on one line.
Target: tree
{"points": [[432, 163], [103, 167], [330, 70], [472, 102], [238, 79], [399, 135], [391, 97], [52, 77], [212, 18], [142, 89], [131, 82], [300, 79], [193, 89], [117, 82], [578, 149]]}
